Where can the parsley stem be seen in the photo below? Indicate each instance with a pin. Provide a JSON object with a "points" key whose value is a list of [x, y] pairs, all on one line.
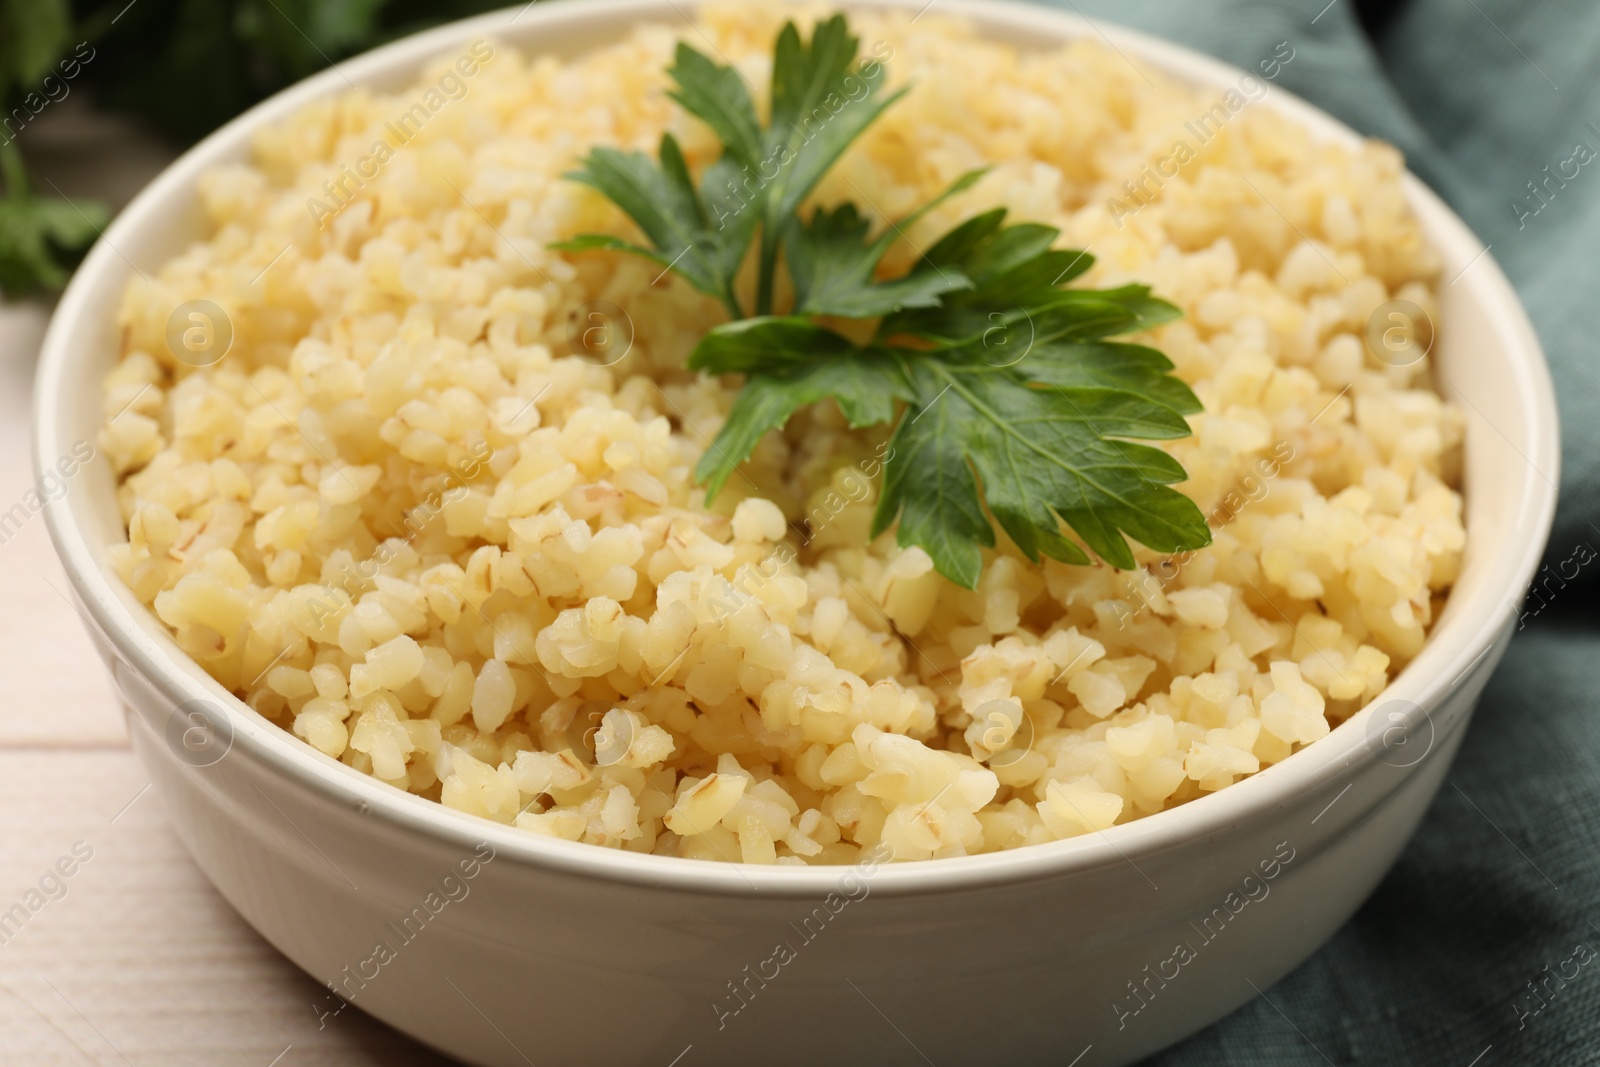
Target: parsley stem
{"points": [[769, 262]]}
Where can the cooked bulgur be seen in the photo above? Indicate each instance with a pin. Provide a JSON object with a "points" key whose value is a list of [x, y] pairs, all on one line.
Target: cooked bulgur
{"points": [[412, 516]]}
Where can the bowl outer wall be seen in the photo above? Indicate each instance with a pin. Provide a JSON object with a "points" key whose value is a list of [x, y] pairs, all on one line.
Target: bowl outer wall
{"points": [[564, 969], [1509, 514], [83, 523]]}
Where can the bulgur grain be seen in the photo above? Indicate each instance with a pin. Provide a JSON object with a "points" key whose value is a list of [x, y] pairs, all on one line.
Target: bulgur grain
{"points": [[404, 520]]}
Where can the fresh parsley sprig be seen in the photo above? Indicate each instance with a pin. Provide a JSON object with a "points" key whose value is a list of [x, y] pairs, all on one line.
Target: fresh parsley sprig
{"points": [[1011, 400], [821, 101], [1009, 380]]}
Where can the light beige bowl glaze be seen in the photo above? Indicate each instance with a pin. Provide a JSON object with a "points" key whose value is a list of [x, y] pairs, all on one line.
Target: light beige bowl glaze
{"points": [[569, 954]]}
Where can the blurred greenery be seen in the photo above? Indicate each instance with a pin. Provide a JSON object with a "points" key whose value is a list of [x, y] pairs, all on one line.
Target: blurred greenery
{"points": [[183, 67]]}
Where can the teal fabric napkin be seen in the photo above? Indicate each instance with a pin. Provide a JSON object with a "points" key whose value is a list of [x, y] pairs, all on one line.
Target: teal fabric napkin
{"points": [[1482, 947]]}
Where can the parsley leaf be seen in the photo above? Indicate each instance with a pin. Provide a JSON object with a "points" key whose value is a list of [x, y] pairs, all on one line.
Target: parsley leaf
{"points": [[1014, 272], [833, 265], [821, 101], [1041, 424], [790, 362], [662, 200], [866, 388], [1046, 455], [717, 95]]}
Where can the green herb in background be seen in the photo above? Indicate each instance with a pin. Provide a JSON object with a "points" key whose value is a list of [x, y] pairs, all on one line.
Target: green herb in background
{"points": [[40, 238], [182, 67], [764, 173], [1010, 401], [187, 66], [33, 33]]}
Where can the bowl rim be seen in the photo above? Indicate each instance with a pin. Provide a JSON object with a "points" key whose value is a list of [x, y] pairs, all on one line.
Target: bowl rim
{"points": [[1424, 682]]}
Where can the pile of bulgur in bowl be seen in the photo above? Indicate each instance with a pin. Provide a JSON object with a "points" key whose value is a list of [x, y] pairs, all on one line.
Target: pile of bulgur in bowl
{"points": [[431, 507]]}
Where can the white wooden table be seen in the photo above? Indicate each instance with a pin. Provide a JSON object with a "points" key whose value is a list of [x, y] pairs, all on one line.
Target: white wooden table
{"points": [[133, 961]]}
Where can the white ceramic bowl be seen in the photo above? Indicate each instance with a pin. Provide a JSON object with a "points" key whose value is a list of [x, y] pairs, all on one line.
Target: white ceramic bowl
{"points": [[569, 954]]}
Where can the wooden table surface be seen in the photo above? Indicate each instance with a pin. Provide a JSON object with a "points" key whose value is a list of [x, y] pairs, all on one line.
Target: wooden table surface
{"points": [[135, 960]]}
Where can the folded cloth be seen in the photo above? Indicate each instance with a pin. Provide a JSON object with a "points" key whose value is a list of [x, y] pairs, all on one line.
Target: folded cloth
{"points": [[1482, 947]]}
